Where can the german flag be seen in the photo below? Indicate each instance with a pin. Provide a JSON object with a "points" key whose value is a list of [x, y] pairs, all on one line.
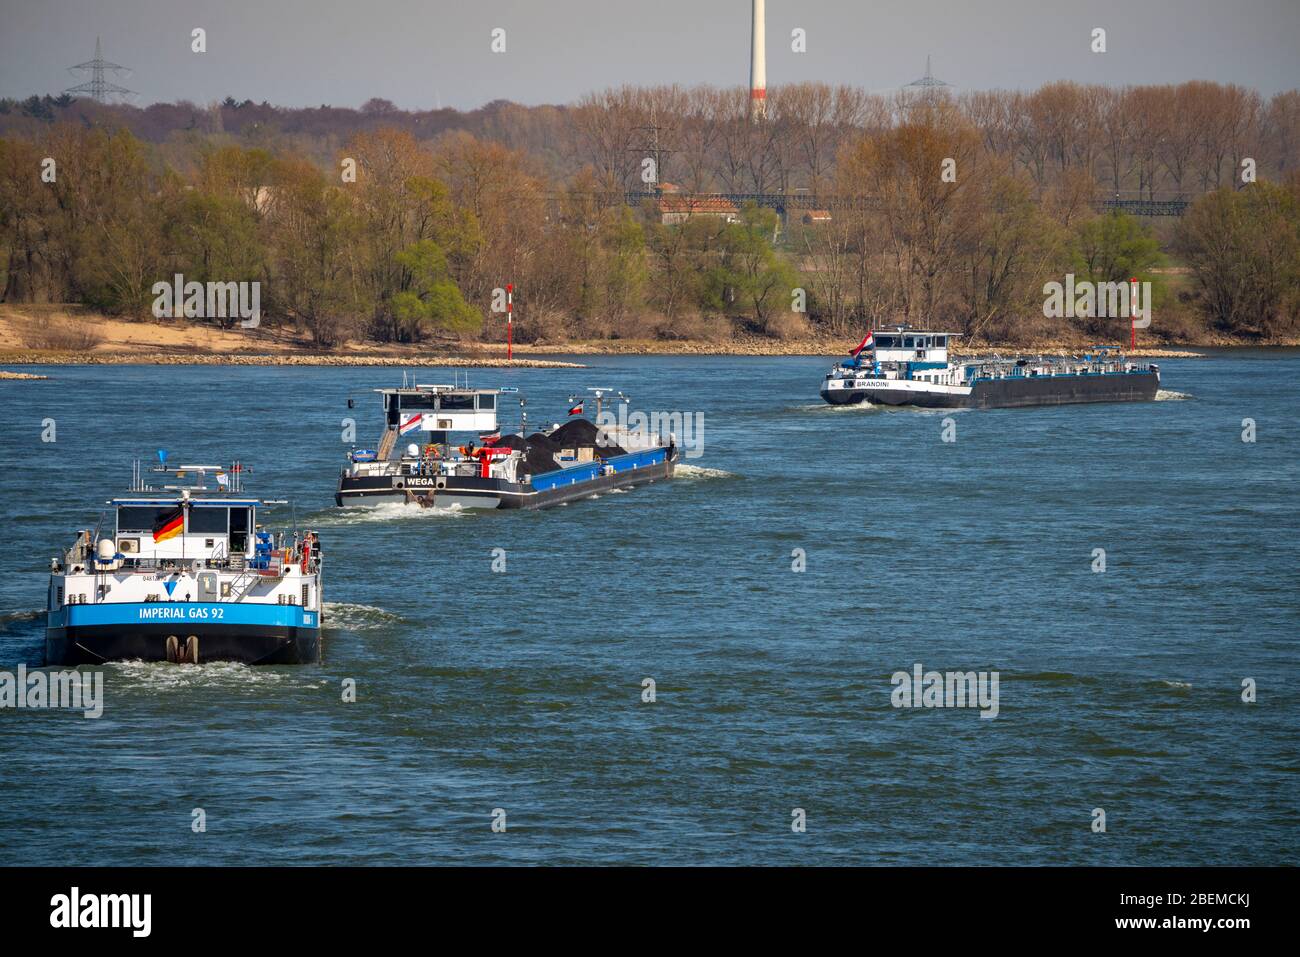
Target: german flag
{"points": [[169, 525]]}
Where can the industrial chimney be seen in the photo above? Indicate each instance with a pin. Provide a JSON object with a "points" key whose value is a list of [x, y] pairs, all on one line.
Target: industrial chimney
{"points": [[758, 66]]}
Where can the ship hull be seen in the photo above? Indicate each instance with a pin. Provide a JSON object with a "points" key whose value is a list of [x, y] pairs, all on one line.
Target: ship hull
{"points": [[249, 645], [545, 491], [1013, 392], [181, 632]]}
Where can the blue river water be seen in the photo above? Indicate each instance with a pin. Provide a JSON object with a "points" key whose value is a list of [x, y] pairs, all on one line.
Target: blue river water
{"points": [[521, 691]]}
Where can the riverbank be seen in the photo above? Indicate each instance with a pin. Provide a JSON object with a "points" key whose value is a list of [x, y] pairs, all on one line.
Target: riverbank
{"points": [[278, 359], [56, 335]]}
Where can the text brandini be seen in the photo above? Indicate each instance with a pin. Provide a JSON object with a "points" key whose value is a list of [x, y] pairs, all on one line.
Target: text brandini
{"points": [[951, 689], [103, 910], [1084, 299], [210, 300]]}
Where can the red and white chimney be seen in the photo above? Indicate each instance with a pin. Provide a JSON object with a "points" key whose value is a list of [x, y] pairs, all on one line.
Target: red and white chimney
{"points": [[758, 65]]}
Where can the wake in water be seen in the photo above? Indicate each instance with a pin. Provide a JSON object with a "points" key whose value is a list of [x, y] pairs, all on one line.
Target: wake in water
{"points": [[18, 618], [873, 408], [825, 407], [161, 676], [384, 512], [1169, 395], [697, 472], [356, 617]]}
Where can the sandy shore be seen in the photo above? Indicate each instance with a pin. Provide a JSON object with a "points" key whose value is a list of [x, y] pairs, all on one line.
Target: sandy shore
{"points": [[275, 359], [49, 335]]}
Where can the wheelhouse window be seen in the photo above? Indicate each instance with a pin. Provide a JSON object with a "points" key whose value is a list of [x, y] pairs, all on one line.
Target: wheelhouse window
{"points": [[209, 521], [486, 401], [426, 403], [141, 518], [452, 402]]}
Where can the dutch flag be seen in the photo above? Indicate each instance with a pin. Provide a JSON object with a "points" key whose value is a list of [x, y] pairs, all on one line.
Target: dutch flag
{"points": [[411, 423], [864, 344]]}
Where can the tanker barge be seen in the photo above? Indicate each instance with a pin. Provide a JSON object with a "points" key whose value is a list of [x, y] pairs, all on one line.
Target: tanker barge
{"points": [[906, 367]]}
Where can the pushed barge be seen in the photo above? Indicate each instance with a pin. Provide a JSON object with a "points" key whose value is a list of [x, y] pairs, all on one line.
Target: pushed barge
{"points": [[186, 575], [903, 366], [549, 467]]}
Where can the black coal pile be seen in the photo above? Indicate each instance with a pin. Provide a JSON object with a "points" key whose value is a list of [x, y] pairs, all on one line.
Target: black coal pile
{"points": [[539, 441], [540, 450], [579, 433], [516, 442]]}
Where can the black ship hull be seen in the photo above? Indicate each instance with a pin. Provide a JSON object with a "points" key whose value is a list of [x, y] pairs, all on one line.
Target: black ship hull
{"points": [[182, 643], [1014, 392]]}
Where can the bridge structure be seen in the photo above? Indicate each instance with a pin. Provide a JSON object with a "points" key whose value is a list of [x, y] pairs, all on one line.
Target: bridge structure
{"points": [[798, 202]]}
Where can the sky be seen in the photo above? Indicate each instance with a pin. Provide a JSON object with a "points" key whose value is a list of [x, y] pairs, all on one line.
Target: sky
{"points": [[422, 54]]}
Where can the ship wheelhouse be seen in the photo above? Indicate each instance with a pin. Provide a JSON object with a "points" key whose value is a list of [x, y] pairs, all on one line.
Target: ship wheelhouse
{"points": [[214, 531]]}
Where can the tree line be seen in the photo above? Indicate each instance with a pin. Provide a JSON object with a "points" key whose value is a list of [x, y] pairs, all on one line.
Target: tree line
{"points": [[951, 210]]}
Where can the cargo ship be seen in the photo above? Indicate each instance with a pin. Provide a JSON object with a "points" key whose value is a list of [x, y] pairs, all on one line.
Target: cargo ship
{"points": [[460, 459], [908, 367], [182, 572]]}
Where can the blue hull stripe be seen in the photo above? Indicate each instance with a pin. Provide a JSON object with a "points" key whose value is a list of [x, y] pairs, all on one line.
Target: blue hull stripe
{"points": [[183, 612], [585, 473]]}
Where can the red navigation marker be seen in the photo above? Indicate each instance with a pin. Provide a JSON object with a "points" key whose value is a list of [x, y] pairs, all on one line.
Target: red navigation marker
{"points": [[1132, 323]]}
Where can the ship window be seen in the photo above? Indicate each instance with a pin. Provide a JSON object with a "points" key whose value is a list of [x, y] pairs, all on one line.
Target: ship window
{"points": [[487, 402], [209, 521], [452, 402], [940, 341], [240, 522], [427, 402], [909, 342], [140, 518]]}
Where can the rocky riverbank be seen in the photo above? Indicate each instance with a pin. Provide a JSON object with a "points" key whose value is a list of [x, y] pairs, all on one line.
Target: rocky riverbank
{"points": [[278, 359]]}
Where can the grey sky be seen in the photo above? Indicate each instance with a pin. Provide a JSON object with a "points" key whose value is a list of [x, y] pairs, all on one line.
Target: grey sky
{"points": [[421, 52]]}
